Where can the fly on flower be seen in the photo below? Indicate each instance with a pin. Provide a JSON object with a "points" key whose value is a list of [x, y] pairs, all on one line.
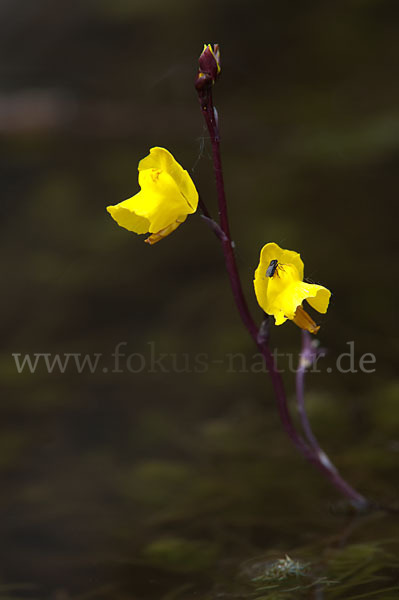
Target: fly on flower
{"points": [[167, 196], [280, 289], [272, 268]]}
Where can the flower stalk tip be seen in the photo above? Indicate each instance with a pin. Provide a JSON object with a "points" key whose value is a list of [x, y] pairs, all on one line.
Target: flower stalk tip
{"points": [[208, 66]]}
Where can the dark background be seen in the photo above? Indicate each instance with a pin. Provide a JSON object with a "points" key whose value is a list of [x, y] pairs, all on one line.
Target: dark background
{"points": [[162, 485]]}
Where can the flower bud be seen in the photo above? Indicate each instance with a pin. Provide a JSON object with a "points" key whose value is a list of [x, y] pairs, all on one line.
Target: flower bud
{"points": [[209, 66]]}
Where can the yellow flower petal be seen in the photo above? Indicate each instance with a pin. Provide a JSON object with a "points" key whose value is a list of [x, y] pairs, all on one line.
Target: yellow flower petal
{"points": [[280, 290], [167, 196], [161, 159], [128, 218], [279, 317], [159, 235], [321, 300], [273, 251]]}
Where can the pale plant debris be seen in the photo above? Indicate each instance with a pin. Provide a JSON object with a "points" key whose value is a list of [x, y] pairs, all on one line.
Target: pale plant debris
{"points": [[283, 568]]}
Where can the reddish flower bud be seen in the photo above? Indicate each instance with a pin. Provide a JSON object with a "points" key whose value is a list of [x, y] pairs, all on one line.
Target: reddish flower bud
{"points": [[209, 66], [209, 61]]}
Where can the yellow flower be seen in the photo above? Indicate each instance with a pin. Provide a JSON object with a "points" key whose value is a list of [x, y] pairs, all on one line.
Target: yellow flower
{"points": [[280, 289], [167, 196]]}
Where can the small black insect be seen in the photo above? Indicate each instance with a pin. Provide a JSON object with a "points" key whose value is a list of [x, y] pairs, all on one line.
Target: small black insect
{"points": [[271, 269]]}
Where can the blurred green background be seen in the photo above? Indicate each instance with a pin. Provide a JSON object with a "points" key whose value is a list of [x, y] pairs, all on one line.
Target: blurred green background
{"points": [[182, 485]]}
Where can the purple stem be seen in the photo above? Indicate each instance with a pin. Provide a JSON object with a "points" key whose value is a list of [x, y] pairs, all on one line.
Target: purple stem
{"points": [[308, 451], [306, 357], [308, 354]]}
